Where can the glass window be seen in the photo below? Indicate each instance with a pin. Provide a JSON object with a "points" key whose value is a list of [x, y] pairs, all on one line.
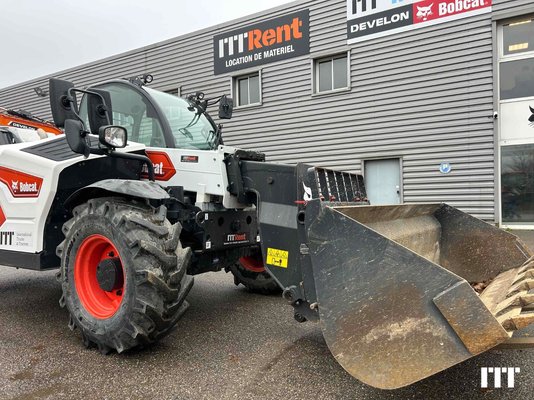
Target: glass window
{"points": [[517, 183], [191, 129], [243, 91], [174, 92], [131, 110], [518, 37], [325, 76], [517, 78], [254, 89], [340, 72], [331, 73], [248, 89]]}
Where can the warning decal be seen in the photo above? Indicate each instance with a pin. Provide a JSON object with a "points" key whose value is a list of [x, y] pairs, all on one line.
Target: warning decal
{"points": [[278, 258]]}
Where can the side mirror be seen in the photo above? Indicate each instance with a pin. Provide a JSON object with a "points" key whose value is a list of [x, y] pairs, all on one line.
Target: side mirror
{"points": [[114, 137], [62, 104], [73, 132], [226, 107], [98, 109]]}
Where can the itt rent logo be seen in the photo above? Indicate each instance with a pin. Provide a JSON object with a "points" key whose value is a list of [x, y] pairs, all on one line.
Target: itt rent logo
{"points": [[256, 39], [498, 373], [238, 237]]}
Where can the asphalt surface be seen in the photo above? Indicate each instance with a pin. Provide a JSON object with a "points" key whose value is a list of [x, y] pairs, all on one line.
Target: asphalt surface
{"points": [[230, 344]]}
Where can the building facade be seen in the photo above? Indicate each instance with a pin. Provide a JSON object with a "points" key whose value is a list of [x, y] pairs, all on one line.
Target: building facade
{"points": [[430, 100]]}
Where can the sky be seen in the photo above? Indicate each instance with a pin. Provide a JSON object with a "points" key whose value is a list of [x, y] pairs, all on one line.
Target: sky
{"points": [[40, 37]]}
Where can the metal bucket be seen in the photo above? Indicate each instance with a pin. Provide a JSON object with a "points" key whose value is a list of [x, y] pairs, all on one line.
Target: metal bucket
{"points": [[395, 287]]}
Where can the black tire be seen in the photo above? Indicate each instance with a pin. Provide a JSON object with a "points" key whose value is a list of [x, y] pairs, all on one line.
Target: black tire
{"points": [[154, 266], [256, 282]]}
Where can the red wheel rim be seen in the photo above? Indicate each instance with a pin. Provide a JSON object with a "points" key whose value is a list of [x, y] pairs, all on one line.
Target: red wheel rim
{"points": [[99, 303], [252, 264]]}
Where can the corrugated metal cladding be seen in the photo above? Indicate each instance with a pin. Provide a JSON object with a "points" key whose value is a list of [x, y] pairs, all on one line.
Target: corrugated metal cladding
{"points": [[425, 95]]}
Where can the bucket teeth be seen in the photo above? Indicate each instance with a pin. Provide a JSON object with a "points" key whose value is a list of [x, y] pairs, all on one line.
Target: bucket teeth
{"points": [[529, 265], [528, 274], [518, 301], [518, 322], [521, 286], [513, 307]]}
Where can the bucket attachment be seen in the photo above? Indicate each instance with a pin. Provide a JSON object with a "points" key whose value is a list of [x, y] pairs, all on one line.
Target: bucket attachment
{"points": [[396, 287]]}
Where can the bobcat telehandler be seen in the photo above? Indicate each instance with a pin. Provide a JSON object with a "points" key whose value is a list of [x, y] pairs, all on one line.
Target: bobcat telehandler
{"points": [[129, 224]]}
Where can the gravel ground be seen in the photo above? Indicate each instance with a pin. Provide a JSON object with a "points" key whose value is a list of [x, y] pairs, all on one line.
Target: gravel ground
{"points": [[229, 345]]}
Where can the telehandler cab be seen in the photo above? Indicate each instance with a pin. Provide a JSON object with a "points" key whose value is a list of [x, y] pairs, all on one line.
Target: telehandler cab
{"points": [[140, 194]]}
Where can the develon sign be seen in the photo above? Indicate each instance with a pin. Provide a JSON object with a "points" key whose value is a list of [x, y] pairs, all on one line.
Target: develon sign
{"points": [[265, 42]]}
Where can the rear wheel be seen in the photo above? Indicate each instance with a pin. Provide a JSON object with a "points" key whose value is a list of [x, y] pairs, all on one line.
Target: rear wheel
{"points": [[250, 272], [123, 273]]}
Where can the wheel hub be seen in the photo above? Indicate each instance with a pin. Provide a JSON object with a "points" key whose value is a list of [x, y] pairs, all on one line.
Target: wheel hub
{"points": [[99, 276], [253, 264], [109, 274]]}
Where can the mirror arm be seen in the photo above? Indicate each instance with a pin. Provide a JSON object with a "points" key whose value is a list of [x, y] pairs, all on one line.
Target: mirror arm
{"points": [[138, 157], [99, 152], [71, 97], [72, 103]]}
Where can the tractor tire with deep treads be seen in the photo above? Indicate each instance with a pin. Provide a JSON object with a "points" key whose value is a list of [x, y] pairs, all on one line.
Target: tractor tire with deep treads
{"points": [[144, 294], [250, 272]]}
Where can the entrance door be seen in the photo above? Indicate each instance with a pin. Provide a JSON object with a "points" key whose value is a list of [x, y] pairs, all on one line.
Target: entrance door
{"points": [[382, 181], [516, 121]]}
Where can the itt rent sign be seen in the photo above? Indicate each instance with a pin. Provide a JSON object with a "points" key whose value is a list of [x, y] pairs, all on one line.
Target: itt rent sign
{"points": [[265, 42], [369, 19]]}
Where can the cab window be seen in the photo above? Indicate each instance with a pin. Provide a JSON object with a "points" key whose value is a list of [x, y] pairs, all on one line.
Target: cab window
{"points": [[136, 114]]}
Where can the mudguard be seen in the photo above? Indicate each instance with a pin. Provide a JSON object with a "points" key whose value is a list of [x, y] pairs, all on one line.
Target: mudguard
{"points": [[123, 187]]}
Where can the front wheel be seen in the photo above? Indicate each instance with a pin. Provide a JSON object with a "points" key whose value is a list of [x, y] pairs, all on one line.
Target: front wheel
{"points": [[123, 273]]}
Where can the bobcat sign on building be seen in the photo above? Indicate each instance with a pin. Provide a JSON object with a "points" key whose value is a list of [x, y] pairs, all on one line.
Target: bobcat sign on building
{"points": [[369, 19]]}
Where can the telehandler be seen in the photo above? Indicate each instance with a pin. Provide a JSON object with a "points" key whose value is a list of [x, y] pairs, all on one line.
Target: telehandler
{"points": [[141, 194]]}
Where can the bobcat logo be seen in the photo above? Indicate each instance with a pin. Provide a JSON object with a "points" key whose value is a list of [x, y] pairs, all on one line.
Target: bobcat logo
{"points": [[424, 12], [15, 186], [531, 119], [307, 193]]}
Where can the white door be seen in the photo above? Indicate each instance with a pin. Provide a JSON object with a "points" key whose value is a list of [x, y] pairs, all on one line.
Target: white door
{"points": [[382, 181]]}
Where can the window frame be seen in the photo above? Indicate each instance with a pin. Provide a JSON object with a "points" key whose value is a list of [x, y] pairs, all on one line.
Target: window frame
{"points": [[176, 91], [234, 93], [316, 61], [513, 56], [502, 58]]}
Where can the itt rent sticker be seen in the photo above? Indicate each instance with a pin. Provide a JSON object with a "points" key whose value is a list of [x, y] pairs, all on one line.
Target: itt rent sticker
{"points": [[278, 258]]}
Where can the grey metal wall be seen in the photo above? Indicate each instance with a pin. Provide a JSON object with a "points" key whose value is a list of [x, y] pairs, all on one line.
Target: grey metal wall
{"points": [[425, 96]]}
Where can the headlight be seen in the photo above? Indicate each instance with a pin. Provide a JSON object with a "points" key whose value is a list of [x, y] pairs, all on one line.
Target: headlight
{"points": [[113, 136]]}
